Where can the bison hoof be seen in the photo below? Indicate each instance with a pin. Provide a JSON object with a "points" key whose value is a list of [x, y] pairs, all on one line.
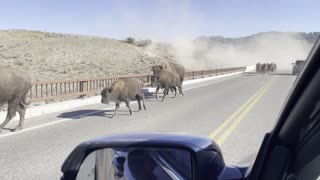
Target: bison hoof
{"points": [[18, 128]]}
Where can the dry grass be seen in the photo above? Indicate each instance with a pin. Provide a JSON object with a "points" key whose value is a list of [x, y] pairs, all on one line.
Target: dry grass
{"points": [[51, 56]]}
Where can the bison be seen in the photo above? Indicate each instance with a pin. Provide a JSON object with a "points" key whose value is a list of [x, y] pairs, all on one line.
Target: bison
{"points": [[173, 67], [166, 79], [177, 68], [274, 67], [269, 67], [264, 68], [258, 68], [14, 87], [123, 91]]}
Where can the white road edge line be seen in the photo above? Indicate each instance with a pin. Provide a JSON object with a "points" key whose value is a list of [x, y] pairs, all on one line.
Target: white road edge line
{"points": [[90, 113], [209, 83]]}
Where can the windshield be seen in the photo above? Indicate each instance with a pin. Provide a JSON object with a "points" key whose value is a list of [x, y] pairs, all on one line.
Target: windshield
{"points": [[76, 70]]}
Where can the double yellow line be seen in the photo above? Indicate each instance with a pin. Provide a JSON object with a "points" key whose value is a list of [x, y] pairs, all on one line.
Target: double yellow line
{"points": [[239, 114]]}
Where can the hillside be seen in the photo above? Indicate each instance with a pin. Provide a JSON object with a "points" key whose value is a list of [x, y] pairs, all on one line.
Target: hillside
{"points": [[50, 56], [53, 56], [309, 37]]}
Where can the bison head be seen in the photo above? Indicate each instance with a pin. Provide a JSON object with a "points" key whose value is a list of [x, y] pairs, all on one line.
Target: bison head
{"points": [[106, 96], [155, 77], [154, 80]]}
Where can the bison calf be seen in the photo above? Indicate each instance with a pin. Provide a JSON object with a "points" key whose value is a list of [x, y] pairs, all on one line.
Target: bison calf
{"points": [[123, 91]]}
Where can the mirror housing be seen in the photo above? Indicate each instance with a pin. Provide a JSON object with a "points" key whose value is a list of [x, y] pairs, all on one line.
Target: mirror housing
{"points": [[206, 156]]}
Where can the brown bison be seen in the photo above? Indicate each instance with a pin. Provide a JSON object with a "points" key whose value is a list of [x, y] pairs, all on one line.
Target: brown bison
{"points": [[274, 67], [166, 79], [173, 67], [14, 87], [264, 68], [258, 67], [123, 91], [177, 68]]}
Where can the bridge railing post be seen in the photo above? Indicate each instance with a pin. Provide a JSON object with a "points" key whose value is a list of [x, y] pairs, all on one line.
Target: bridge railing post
{"points": [[83, 87]]}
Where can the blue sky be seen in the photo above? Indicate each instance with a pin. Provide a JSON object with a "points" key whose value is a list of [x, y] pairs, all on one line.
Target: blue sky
{"points": [[163, 20]]}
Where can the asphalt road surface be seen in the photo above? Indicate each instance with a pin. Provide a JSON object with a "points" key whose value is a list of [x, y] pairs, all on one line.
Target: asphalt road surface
{"points": [[235, 111]]}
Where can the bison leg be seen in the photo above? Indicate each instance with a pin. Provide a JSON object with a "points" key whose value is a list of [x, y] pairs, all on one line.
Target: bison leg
{"points": [[22, 112], [12, 107], [164, 93], [180, 90], [175, 92], [115, 111], [138, 99], [142, 97], [172, 90], [157, 96], [1, 104], [128, 105], [167, 92]]}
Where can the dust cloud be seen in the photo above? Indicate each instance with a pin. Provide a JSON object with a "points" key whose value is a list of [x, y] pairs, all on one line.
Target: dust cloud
{"points": [[179, 25], [277, 47]]}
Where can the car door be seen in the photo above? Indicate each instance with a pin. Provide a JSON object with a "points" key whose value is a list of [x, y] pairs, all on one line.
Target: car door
{"points": [[291, 150]]}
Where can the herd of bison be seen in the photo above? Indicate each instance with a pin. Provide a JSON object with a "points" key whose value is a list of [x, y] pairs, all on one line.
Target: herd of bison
{"points": [[266, 68], [15, 84]]}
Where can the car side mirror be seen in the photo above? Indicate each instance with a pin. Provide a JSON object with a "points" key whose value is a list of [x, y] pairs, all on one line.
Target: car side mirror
{"points": [[146, 156]]}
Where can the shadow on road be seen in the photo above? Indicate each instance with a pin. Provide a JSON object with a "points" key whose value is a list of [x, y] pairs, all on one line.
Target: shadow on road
{"points": [[250, 74], [93, 112], [151, 97], [284, 74], [9, 129], [256, 74]]}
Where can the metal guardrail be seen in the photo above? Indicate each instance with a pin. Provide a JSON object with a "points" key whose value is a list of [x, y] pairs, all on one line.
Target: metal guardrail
{"points": [[60, 90]]}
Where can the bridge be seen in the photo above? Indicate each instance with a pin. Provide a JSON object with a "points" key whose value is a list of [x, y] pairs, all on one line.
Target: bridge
{"points": [[235, 110]]}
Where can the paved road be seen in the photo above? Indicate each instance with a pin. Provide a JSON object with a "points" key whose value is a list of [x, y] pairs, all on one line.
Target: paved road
{"points": [[249, 102]]}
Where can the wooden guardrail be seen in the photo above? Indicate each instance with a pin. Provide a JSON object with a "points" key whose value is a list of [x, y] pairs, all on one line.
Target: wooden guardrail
{"points": [[63, 89]]}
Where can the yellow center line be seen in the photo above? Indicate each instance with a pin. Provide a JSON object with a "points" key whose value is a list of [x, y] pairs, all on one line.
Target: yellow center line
{"points": [[228, 131], [230, 118]]}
